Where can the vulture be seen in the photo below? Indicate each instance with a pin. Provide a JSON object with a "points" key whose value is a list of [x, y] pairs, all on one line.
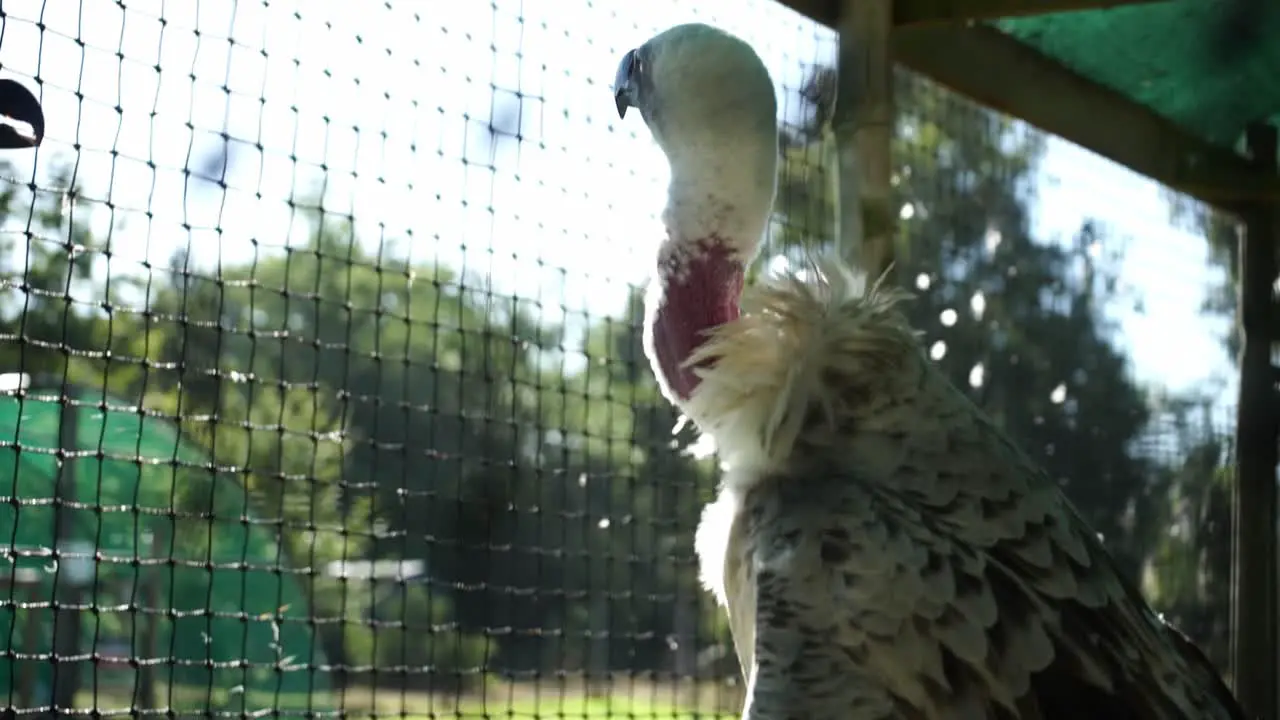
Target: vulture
{"points": [[881, 548]]}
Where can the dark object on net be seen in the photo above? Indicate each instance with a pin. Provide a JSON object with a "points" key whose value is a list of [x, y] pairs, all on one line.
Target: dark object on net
{"points": [[17, 103]]}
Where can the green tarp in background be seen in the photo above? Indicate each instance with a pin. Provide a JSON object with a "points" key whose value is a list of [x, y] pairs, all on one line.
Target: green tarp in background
{"points": [[223, 589]]}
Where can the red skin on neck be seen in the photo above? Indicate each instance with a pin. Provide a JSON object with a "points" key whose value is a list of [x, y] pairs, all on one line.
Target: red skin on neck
{"points": [[701, 298]]}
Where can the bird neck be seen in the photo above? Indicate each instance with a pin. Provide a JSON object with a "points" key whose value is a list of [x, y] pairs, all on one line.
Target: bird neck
{"points": [[715, 218], [697, 210], [722, 187]]}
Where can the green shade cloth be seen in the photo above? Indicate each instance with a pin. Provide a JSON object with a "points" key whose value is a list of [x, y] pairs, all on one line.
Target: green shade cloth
{"points": [[231, 594], [1158, 55]]}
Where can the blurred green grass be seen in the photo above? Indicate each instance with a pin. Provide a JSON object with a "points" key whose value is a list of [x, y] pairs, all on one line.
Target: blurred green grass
{"points": [[634, 700]]}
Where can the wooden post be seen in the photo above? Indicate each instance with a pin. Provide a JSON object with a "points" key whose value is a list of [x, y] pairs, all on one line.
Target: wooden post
{"points": [[863, 126], [1254, 577]]}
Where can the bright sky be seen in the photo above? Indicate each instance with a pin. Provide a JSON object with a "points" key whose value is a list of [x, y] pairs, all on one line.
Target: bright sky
{"points": [[392, 98]]}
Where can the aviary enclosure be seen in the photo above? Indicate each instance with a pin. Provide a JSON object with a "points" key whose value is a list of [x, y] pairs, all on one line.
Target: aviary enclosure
{"points": [[323, 385]]}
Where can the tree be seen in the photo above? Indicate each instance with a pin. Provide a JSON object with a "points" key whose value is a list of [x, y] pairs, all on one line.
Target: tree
{"points": [[1188, 576], [407, 395], [660, 487], [1221, 231], [56, 319]]}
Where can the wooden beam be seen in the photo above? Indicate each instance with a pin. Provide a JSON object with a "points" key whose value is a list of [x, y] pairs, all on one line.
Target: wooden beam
{"points": [[917, 12], [1254, 632], [863, 129], [1006, 75], [922, 12]]}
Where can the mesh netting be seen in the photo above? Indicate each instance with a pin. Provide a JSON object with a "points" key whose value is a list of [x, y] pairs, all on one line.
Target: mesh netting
{"points": [[325, 385]]}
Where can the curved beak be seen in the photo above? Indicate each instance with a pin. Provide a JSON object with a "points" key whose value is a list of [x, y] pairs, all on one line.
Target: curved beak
{"points": [[624, 84]]}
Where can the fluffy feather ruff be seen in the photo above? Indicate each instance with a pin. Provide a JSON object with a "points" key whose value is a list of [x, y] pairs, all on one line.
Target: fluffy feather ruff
{"points": [[804, 340], [803, 337]]}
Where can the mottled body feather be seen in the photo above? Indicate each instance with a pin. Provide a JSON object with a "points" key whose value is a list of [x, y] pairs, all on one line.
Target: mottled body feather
{"points": [[890, 554]]}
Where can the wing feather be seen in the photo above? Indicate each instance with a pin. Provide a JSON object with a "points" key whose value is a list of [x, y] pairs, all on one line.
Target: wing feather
{"points": [[885, 551], [957, 583]]}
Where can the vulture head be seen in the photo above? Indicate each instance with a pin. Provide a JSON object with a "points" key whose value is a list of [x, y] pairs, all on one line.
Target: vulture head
{"points": [[709, 102]]}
